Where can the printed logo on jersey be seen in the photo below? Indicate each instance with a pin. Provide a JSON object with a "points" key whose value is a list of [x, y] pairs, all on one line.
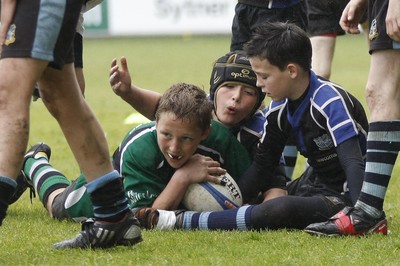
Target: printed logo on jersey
{"points": [[327, 158], [135, 197], [10, 38], [323, 142], [373, 31]]}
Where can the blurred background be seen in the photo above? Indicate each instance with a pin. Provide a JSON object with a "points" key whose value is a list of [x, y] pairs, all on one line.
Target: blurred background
{"points": [[159, 17]]}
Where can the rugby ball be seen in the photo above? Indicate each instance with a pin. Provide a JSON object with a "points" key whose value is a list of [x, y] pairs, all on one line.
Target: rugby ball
{"points": [[208, 196]]}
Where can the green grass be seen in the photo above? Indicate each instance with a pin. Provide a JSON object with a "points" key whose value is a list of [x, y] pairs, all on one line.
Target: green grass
{"points": [[27, 234]]}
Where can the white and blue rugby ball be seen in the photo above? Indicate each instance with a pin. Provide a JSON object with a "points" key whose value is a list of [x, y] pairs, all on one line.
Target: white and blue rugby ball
{"points": [[208, 196]]}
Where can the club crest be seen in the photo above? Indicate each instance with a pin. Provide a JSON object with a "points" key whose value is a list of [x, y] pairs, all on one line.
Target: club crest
{"points": [[373, 31], [10, 38], [323, 142]]}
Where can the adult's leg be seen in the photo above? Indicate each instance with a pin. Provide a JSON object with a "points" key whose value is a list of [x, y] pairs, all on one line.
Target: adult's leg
{"points": [[323, 50], [383, 98], [17, 80], [383, 86], [62, 96], [15, 94]]}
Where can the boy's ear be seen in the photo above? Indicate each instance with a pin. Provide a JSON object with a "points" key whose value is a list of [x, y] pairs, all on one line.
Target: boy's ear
{"points": [[292, 70], [206, 133]]}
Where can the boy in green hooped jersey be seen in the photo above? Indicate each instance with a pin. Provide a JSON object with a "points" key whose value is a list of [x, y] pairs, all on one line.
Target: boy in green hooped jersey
{"points": [[157, 160]]}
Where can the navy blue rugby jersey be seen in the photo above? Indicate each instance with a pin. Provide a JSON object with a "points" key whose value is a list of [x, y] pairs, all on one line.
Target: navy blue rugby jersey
{"points": [[320, 121], [250, 133]]}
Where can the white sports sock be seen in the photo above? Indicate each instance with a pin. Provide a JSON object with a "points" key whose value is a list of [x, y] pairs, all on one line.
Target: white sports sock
{"points": [[166, 220]]}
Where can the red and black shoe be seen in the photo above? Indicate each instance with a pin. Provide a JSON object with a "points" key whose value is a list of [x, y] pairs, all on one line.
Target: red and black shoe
{"points": [[349, 221]]}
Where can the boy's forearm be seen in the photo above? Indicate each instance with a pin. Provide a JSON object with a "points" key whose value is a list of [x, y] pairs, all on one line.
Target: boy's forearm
{"points": [[142, 100]]}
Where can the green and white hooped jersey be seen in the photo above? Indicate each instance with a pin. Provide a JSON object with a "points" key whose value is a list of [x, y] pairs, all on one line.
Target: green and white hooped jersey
{"points": [[146, 173]]}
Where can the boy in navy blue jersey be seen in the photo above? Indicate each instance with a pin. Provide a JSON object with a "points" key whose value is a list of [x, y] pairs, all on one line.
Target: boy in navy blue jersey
{"points": [[328, 124]]}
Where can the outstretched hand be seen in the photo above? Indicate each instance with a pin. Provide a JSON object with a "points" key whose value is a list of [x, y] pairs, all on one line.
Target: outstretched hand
{"points": [[120, 79]]}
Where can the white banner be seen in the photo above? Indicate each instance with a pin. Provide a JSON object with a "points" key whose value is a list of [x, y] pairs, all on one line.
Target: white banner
{"points": [[164, 17]]}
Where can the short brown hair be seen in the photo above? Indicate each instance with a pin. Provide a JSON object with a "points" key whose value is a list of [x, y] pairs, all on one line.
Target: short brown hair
{"points": [[186, 101]]}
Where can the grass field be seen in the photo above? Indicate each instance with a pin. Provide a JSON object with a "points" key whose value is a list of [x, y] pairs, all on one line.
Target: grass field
{"points": [[27, 234]]}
